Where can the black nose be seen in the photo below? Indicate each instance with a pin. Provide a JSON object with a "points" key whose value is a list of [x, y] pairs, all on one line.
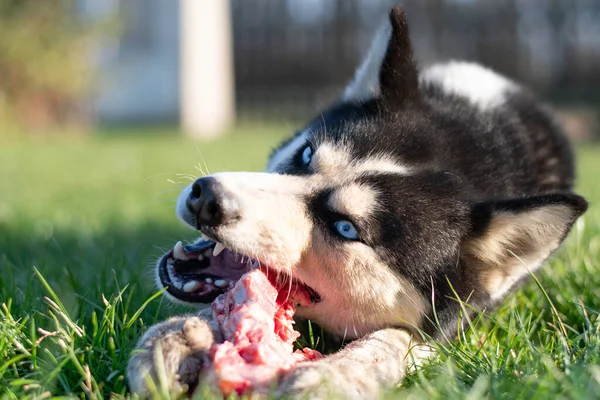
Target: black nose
{"points": [[207, 201]]}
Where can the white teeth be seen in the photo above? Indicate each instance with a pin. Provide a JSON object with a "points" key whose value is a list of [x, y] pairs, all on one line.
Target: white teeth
{"points": [[249, 264], [221, 283], [208, 280], [178, 252], [200, 257], [205, 238], [191, 286], [219, 247]]}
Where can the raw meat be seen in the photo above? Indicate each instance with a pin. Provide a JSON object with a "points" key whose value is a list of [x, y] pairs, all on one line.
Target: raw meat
{"points": [[256, 321]]}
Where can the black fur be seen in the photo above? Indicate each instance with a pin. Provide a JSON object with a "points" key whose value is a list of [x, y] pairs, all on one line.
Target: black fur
{"points": [[468, 165]]}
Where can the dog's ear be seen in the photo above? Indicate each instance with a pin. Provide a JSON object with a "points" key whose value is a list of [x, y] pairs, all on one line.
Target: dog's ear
{"points": [[388, 70], [398, 76], [511, 238]]}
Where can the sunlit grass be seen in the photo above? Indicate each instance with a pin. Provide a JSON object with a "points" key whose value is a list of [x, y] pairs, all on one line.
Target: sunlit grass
{"points": [[82, 220]]}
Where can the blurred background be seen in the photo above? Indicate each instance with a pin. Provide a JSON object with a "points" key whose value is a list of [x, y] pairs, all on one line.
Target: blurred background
{"points": [[98, 63]]}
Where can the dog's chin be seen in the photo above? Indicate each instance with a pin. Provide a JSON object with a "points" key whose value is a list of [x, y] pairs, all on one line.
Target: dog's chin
{"points": [[197, 274]]}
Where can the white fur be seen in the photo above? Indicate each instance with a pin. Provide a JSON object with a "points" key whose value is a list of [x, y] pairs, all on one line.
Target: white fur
{"points": [[483, 87], [383, 164], [365, 85], [356, 200], [363, 369], [273, 226], [181, 209], [336, 160]]}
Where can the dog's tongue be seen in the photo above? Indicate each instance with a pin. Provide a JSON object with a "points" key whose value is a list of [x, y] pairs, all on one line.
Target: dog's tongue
{"points": [[256, 320]]}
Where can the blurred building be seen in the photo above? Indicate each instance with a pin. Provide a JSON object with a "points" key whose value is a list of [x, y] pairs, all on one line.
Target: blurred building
{"points": [[292, 56], [139, 72]]}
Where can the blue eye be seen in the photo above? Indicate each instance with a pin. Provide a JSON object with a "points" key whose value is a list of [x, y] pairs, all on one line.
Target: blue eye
{"points": [[346, 229], [307, 155]]}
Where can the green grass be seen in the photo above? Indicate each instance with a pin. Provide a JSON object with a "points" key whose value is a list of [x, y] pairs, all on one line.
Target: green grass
{"points": [[83, 219]]}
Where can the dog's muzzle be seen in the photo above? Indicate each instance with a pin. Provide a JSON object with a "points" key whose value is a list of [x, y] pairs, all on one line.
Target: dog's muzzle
{"points": [[208, 204]]}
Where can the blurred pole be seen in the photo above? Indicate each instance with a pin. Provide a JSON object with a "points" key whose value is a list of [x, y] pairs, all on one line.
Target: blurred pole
{"points": [[207, 81]]}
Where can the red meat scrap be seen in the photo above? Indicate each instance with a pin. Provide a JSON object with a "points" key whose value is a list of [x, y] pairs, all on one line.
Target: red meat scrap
{"points": [[256, 320]]}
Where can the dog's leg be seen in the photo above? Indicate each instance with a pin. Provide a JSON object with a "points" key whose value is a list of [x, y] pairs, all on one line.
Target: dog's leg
{"points": [[361, 370], [170, 355]]}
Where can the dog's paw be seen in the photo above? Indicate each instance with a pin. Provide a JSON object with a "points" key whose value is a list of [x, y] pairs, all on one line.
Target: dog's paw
{"points": [[306, 381], [326, 380], [170, 356]]}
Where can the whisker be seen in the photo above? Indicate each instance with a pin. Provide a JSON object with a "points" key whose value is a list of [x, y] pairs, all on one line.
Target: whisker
{"points": [[203, 161], [345, 333], [197, 167]]}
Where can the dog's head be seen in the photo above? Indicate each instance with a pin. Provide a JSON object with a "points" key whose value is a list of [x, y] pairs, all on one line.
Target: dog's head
{"points": [[353, 209]]}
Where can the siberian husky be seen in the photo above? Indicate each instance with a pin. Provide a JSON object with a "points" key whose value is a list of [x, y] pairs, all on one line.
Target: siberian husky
{"points": [[419, 189]]}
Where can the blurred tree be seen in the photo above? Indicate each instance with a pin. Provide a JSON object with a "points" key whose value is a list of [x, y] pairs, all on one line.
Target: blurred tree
{"points": [[45, 63]]}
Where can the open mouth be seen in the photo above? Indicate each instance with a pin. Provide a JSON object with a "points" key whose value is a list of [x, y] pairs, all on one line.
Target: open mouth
{"points": [[200, 272]]}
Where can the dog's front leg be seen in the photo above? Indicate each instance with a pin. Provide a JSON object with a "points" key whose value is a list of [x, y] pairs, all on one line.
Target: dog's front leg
{"points": [[361, 370], [170, 355]]}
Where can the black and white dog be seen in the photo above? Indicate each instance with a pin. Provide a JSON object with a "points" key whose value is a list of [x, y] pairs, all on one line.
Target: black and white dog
{"points": [[416, 189]]}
